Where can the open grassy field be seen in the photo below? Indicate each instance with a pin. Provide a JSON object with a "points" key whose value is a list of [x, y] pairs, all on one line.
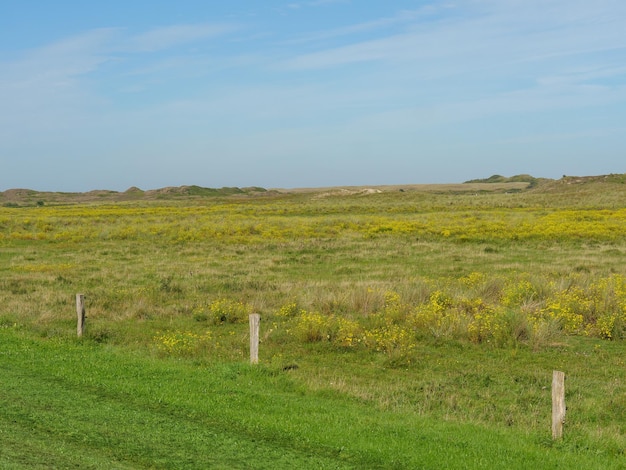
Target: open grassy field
{"points": [[402, 327]]}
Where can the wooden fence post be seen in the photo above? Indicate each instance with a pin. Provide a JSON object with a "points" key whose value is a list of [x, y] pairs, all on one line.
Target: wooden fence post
{"points": [[255, 320], [80, 314], [558, 404]]}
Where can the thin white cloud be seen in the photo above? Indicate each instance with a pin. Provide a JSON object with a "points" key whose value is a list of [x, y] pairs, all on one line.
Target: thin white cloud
{"points": [[314, 3], [55, 85], [176, 35], [57, 62], [43, 90], [486, 30], [589, 73], [403, 17]]}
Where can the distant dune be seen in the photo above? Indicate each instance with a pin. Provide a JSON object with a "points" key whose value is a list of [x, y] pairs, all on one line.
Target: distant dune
{"points": [[495, 183]]}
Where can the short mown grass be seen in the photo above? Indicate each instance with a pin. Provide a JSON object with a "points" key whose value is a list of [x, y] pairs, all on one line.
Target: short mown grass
{"points": [[78, 404]]}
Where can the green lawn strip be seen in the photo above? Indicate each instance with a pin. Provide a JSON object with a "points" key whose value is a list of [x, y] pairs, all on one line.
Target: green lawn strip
{"points": [[84, 422], [45, 398], [71, 400], [22, 447]]}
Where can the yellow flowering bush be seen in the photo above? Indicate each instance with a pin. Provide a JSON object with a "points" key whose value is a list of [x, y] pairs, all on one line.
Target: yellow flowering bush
{"points": [[229, 311], [391, 339], [311, 327], [289, 310], [436, 317], [393, 309], [182, 343], [568, 308], [520, 312], [349, 333], [486, 325], [518, 293], [473, 279], [606, 325], [500, 327]]}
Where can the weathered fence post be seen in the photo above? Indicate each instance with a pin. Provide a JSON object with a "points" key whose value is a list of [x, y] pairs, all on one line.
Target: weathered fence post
{"points": [[255, 320], [80, 314], [558, 403]]}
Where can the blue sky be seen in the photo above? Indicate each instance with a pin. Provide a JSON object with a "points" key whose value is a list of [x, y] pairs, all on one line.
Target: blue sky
{"points": [[108, 95]]}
